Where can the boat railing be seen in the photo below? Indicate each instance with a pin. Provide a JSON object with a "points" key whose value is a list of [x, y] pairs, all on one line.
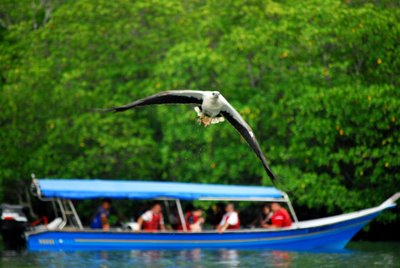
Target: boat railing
{"points": [[67, 209]]}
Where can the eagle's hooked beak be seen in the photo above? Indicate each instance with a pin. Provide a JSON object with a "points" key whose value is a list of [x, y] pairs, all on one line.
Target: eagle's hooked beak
{"points": [[216, 94]]}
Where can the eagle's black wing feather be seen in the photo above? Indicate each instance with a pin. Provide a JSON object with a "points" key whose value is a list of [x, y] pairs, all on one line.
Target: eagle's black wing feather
{"points": [[246, 132], [166, 97]]}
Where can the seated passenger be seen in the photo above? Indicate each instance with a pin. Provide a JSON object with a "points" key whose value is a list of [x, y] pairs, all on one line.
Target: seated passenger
{"points": [[194, 220], [152, 220], [280, 218], [100, 219], [230, 220], [265, 217], [215, 213]]}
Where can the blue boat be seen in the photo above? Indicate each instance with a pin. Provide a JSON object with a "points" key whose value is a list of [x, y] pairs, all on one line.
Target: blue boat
{"points": [[67, 232]]}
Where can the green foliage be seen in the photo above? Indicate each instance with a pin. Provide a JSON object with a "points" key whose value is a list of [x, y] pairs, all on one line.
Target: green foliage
{"points": [[317, 81]]}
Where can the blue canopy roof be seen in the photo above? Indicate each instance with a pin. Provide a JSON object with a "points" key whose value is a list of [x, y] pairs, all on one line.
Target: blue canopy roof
{"points": [[85, 189]]}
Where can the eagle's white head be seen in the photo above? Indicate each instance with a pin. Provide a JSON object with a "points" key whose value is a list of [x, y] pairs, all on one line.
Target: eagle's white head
{"points": [[215, 94]]}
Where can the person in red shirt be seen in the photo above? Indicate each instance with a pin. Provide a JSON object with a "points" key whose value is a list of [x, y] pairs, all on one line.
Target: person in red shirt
{"points": [[194, 220], [280, 218], [152, 220]]}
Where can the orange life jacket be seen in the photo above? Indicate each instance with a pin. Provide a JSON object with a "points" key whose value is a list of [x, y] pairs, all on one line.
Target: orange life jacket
{"points": [[154, 224]]}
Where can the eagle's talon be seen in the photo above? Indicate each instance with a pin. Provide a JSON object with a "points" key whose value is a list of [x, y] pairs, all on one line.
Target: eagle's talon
{"points": [[206, 120]]}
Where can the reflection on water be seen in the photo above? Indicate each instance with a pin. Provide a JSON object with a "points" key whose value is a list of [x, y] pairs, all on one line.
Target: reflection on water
{"points": [[280, 259], [229, 257], [148, 257], [359, 254]]}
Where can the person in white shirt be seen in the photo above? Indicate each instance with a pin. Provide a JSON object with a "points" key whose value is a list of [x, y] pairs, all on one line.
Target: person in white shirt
{"points": [[152, 220], [230, 220]]}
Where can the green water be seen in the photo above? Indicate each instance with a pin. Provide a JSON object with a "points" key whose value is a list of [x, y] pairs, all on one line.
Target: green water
{"points": [[357, 254]]}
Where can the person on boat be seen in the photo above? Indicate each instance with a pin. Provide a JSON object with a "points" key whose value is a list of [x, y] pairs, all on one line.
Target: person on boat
{"points": [[101, 219], [280, 217], [215, 213], [230, 220], [152, 220], [194, 220], [266, 216]]}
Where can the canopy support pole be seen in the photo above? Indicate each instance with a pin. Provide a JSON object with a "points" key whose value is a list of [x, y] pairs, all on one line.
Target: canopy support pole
{"points": [[167, 208], [63, 215], [75, 214], [69, 214], [53, 203], [181, 216], [291, 208]]}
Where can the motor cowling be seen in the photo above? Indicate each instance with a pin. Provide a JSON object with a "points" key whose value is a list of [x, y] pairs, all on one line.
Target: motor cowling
{"points": [[13, 224]]}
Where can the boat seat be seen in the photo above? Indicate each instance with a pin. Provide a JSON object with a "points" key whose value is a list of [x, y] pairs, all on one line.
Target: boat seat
{"points": [[54, 224]]}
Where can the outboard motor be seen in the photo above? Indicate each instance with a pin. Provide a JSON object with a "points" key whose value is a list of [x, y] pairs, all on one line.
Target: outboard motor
{"points": [[13, 224]]}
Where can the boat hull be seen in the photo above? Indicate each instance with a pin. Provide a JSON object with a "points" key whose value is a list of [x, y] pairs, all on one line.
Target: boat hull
{"points": [[326, 237]]}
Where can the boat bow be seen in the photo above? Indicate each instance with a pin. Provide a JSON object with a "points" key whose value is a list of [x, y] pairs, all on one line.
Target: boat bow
{"points": [[388, 203]]}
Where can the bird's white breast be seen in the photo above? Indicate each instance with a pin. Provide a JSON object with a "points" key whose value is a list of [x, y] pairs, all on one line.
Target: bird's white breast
{"points": [[211, 106]]}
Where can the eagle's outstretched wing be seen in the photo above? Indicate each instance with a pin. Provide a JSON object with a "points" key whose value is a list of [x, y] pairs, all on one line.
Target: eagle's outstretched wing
{"points": [[165, 97], [247, 133]]}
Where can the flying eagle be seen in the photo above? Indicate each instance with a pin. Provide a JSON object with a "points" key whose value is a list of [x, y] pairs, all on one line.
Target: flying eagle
{"points": [[211, 108]]}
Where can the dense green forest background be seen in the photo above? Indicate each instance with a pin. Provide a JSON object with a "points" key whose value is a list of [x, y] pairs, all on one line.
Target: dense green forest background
{"points": [[318, 81]]}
